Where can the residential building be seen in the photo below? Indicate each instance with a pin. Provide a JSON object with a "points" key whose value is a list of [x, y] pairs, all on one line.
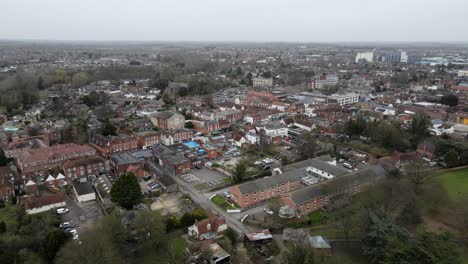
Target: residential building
{"points": [[314, 197], [167, 120], [147, 139], [209, 228], [367, 56], [262, 82], [112, 144], [74, 169], [48, 158], [253, 192], [84, 192], [172, 161]]}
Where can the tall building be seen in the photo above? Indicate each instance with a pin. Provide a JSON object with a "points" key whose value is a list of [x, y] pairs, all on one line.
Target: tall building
{"points": [[368, 56], [262, 82], [392, 57], [324, 81], [404, 57]]}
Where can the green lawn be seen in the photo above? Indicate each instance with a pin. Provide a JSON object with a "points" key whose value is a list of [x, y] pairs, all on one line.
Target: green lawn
{"points": [[218, 200], [221, 202], [455, 182], [178, 245], [8, 214], [227, 180]]}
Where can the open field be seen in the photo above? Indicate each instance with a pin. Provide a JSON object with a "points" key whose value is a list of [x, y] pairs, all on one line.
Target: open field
{"points": [[455, 182]]}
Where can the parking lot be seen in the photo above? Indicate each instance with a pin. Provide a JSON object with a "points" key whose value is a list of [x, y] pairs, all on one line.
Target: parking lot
{"points": [[82, 215], [204, 178]]}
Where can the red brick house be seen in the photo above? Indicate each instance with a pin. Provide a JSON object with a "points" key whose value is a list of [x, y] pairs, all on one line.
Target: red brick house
{"points": [[7, 189], [147, 139], [209, 228], [307, 200], [426, 149], [83, 167], [112, 144], [170, 160], [48, 158]]}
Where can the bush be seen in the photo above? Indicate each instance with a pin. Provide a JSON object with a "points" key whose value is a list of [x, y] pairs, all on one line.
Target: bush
{"points": [[2, 227]]}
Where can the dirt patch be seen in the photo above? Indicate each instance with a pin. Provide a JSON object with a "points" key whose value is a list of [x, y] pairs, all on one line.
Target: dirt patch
{"points": [[437, 227], [168, 203]]}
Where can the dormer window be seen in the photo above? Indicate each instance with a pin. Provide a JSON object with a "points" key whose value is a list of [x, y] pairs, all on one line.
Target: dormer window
{"points": [[208, 227]]}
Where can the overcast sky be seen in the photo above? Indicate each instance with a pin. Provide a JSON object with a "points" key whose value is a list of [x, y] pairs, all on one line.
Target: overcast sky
{"points": [[235, 20]]}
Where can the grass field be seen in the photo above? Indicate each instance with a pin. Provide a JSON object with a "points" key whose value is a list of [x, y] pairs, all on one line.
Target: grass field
{"points": [[178, 246], [455, 182], [8, 214]]}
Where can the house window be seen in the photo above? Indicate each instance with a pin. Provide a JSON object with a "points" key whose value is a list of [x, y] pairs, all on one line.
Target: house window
{"points": [[208, 227]]}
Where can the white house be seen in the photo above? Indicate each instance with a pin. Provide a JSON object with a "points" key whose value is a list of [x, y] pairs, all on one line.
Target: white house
{"points": [[84, 192]]}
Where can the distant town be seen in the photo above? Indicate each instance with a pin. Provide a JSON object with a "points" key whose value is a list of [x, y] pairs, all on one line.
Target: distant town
{"points": [[233, 153]]}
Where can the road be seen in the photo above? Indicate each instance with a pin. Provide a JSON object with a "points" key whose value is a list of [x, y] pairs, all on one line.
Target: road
{"points": [[232, 220], [205, 203]]}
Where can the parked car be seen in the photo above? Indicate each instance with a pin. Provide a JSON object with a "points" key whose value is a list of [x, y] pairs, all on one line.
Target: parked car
{"points": [[65, 225], [147, 178], [76, 237], [71, 231], [268, 211], [63, 210], [227, 194]]}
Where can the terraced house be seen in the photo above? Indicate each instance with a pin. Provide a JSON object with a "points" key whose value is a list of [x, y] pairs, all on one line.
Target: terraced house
{"points": [[296, 176], [48, 158], [309, 199]]}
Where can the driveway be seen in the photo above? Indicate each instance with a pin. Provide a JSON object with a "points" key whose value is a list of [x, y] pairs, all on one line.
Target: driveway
{"points": [[82, 215]]}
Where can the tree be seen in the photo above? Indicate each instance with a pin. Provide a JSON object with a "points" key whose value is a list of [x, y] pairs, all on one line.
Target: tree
{"points": [[299, 253], [187, 220], [240, 171], [150, 229], [419, 126], [2, 227], [284, 160], [40, 83], [428, 249], [418, 174], [108, 129], [52, 244], [307, 146], [355, 126], [111, 226], [275, 204], [80, 79], [95, 248], [189, 125], [410, 215], [126, 191], [452, 158], [3, 159], [232, 235], [449, 99], [380, 232]]}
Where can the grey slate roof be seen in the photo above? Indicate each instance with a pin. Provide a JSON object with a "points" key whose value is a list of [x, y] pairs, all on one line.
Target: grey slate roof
{"points": [[293, 172], [83, 188], [326, 167], [123, 158], [309, 193]]}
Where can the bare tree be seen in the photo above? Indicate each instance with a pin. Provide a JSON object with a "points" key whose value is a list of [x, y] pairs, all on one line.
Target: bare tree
{"points": [[419, 175]]}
